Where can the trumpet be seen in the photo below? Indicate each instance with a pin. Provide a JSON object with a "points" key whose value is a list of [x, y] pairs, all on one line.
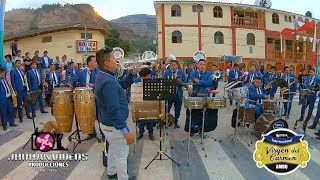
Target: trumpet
{"points": [[216, 75], [269, 85]]}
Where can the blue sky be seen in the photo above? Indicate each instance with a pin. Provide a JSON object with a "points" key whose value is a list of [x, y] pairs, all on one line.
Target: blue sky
{"points": [[112, 9]]}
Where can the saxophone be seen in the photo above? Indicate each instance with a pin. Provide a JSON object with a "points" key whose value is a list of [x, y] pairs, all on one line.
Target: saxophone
{"points": [[14, 95], [26, 83]]}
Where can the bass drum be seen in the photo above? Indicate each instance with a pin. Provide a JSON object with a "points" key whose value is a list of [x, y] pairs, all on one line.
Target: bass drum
{"points": [[265, 124]]}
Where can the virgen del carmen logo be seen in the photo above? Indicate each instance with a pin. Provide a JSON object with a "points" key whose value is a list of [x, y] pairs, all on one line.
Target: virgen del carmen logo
{"points": [[281, 152]]}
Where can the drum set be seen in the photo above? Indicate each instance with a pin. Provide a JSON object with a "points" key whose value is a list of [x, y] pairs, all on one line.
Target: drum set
{"points": [[78, 104]]}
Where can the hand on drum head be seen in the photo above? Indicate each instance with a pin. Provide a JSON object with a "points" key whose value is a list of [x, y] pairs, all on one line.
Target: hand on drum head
{"points": [[90, 85], [69, 85], [195, 80], [267, 97], [129, 138]]}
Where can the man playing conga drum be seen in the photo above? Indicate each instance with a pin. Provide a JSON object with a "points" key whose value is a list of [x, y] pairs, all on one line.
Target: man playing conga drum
{"points": [[256, 95]]}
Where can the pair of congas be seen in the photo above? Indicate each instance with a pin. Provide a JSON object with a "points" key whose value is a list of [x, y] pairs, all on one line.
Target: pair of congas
{"points": [[79, 102]]}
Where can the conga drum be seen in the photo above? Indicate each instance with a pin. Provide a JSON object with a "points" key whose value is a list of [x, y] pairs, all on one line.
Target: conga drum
{"points": [[85, 108], [63, 108]]}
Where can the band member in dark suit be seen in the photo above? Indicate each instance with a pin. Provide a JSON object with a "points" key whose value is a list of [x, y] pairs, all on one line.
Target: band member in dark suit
{"points": [[215, 81], [302, 77], [53, 80], [175, 73], [6, 110], [312, 84], [271, 76], [19, 86], [203, 81], [235, 75], [35, 84], [72, 72], [290, 79], [87, 77], [254, 73], [256, 95]]}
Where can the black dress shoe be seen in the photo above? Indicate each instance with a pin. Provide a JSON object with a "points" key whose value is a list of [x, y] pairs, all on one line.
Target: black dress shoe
{"points": [[29, 117], [316, 133], [21, 120], [90, 136], [113, 176], [311, 127], [299, 120], [4, 128], [151, 136], [176, 125], [140, 136], [34, 115], [44, 112], [13, 125]]}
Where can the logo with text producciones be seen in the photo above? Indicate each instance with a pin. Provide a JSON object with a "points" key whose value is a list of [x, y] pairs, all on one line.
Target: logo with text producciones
{"points": [[281, 152]]}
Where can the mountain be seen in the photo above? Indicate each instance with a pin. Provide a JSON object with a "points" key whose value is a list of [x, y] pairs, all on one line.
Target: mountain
{"points": [[142, 24], [25, 21]]}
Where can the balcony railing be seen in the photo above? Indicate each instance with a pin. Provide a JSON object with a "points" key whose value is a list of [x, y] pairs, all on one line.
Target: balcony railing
{"points": [[244, 21], [290, 56]]}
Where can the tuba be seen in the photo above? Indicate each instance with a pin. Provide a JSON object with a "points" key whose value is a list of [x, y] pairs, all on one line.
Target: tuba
{"points": [[199, 55], [119, 55], [149, 56]]}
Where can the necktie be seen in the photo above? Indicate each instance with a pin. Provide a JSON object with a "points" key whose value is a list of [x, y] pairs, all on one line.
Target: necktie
{"points": [[288, 80], [21, 76], [311, 82], [259, 92], [35, 72], [201, 75], [91, 77], [5, 86]]}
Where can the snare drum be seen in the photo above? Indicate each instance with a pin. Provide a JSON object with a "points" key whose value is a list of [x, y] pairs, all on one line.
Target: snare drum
{"points": [[269, 105], [85, 108], [240, 93], [249, 114], [216, 103], [194, 102], [63, 108]]}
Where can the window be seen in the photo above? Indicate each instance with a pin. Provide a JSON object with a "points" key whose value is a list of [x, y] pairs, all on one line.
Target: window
{"points": [[290, 19], [286, 18], [175, 10], [289, 45], [275, 18], [217, 12], [89, 35], [218, 37], [270, 41], [251, 40], [194, 8], [176, 37], [46, 39]]}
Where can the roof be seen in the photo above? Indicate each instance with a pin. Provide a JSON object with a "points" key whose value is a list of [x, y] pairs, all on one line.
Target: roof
{"points": [[51, 30], [229, 4]]}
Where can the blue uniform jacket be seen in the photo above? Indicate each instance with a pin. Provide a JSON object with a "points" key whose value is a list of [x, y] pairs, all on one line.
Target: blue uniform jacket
{"points": [[57, 75], [70, 72], [33, 81], [254, 95], [168, 75], [43, 64], [254, 74], [3, 98], [112, 103], [292, 78], [232, 75], [204, 82], [16, 81], [315, 85], [82, 78]]}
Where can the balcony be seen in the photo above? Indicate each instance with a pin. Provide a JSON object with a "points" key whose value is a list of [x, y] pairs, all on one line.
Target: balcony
{"points": [[241, 21], [291, 56]]}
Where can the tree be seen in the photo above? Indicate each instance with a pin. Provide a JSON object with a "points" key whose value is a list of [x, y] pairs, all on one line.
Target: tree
{"points": [[113, 40]]}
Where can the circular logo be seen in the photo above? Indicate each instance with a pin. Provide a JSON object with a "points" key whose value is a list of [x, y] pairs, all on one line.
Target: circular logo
{"points": [[44, 142]]}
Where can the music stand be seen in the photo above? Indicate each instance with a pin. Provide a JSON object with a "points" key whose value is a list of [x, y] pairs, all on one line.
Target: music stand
{"points": [[32, 99], [158, 90]]}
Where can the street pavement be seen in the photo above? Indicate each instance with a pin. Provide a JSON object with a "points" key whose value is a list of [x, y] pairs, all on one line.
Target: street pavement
{"points": [[213, 160]]}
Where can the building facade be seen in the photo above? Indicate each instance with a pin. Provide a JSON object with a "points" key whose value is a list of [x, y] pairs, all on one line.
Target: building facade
{"points": [[67, 41], [224, 29]]}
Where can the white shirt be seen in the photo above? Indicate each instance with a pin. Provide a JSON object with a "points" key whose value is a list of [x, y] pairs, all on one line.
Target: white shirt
{"points": [[88, 76], [259, 92], [20, 74], [311, 81], [37, 74], [236, 74], [54, 78], [6, 87], [46, 61]]}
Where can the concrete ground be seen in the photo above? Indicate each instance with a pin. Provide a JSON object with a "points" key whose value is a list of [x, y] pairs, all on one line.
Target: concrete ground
{"points": [[214, 160]]}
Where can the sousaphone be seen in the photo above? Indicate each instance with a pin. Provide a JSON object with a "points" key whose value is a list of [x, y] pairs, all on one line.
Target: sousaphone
{"points": [[119, 55], [149, 56], [199, 55]]}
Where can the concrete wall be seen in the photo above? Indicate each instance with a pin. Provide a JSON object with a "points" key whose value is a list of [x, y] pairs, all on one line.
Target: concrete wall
{"points": [[63, 43], [243, 48]]}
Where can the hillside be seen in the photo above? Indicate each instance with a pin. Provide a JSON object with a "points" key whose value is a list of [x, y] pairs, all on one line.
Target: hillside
{"points": [[142, 24], [24, 21]]}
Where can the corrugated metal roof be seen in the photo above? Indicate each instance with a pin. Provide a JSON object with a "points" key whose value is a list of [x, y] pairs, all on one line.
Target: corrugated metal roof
{"points": [[229, 4]]}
